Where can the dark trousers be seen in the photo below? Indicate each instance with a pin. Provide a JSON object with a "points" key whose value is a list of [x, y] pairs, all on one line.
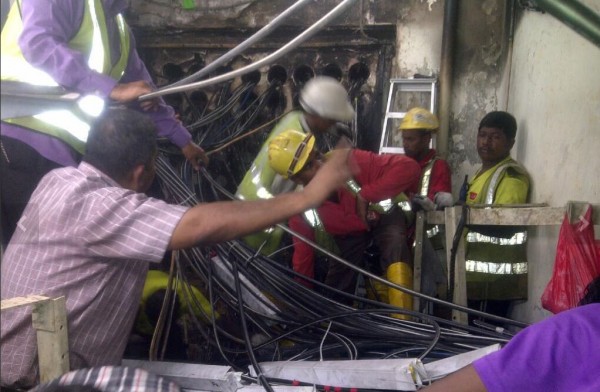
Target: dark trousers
{"points": [[389, 234], [21, 170]]}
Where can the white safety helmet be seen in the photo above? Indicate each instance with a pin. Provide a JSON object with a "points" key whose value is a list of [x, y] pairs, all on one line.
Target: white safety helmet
{"points": [[327, 98]]}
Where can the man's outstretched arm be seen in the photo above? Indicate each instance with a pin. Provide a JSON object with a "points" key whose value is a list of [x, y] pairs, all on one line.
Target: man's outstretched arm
{"points": [[463, 380], [211, 223]]}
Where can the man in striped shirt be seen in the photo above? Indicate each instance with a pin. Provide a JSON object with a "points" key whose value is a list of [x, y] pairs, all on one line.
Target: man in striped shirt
{"points": [[88, 233]]}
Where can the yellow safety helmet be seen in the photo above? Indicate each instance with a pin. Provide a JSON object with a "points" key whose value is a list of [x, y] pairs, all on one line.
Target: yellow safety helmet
{"points": [[419, 118], [289, 151]]}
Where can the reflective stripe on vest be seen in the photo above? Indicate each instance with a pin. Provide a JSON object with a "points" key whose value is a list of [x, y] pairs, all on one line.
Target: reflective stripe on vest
{"points": [[495, 180], [92, 40], [433, 231], [322, 237], [517, 239], [384, 206], [424, 191], [487, 267], [426, 177]]}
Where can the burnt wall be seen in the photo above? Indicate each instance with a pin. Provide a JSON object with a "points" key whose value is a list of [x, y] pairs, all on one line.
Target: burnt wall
{"points": [[360, 60]]}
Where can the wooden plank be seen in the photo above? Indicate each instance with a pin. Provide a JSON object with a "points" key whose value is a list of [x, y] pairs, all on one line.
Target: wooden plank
{"points": [[22, 301], [460, 285], [50, 320], [508, 216], [526, 215], [435, 218]]}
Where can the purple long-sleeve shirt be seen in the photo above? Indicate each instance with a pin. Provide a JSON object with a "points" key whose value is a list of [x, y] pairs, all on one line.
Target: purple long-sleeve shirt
{"points": [[48, 26], [560, 353]]}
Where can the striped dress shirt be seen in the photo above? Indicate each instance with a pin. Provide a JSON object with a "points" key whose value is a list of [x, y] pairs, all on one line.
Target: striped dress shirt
{"points": [[84, 237], [111, 379]]}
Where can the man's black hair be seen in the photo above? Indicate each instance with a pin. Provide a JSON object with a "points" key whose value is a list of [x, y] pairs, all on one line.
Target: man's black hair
{"points": [[121, 139], [592, 293], [501, 120]]}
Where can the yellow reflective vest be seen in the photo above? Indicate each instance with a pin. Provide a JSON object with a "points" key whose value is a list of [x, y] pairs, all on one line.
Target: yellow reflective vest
{"points": [[496, 264], [71, 126], [188, 297], [261, 182]]}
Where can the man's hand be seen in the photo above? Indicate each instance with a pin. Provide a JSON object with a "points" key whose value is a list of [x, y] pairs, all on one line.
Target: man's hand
{"points": [[194, 154], [443, 200], [422, 203], [331, 176], [129, 92]]}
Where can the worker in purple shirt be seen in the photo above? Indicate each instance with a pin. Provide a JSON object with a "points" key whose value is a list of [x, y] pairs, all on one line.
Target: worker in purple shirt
{"points": [[85, 46], [558, 354]]}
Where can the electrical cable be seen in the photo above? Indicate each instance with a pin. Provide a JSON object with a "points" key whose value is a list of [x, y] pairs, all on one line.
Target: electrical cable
{"points": [[293, 318], [376, 277], [240, 48], [158, 330], [251, 355], [298, 40]]}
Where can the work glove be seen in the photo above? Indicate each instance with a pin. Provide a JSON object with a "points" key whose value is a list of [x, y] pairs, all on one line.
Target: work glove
{"points": [[422, 203], [443, 200]]}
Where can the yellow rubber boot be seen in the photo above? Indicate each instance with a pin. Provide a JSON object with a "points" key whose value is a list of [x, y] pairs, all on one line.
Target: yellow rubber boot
{"points": [[401, 274]]}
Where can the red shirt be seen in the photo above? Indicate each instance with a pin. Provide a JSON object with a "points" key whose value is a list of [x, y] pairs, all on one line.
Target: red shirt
{"points": [[381, 177]]}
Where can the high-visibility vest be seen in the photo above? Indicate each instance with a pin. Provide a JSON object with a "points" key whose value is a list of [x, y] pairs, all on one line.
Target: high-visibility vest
{"points": [[261, 182], [424, 191], [188, 297], [70, 126], [494, 259], [322, 237]]}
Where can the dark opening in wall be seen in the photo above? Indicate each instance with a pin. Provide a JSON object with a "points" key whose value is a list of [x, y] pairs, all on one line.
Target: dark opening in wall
{"points": [[277, 74], [333, 70], [358, 73], [251, 77]]}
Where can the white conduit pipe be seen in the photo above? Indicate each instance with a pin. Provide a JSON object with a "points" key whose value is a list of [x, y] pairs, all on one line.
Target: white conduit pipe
{"points": [[256, 37], [339, 9]]}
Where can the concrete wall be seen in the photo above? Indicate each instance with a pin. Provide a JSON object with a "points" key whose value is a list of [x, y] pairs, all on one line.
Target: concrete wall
{"points": [[549, 82], [419, 39], [555, 95]]}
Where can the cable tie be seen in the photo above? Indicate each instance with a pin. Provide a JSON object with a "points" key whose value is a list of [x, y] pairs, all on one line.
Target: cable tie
{"points": [[295, 383]]}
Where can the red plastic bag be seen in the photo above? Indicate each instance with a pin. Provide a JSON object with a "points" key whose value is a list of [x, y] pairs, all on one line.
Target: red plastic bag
{"points": [[577, 264]]}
